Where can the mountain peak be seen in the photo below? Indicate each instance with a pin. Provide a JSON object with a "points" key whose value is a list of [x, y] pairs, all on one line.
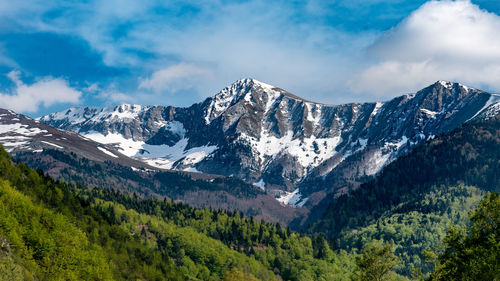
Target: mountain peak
{"points": [[247, 90], [450, 85], [245, 83], [444, 83], [97, 114], [242, 89]]}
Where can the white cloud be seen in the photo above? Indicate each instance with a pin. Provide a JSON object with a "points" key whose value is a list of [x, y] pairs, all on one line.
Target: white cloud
{"points": [[46, 91], [307, 57], [175, 77], [442, 40], [114, 97], [296, 47]]}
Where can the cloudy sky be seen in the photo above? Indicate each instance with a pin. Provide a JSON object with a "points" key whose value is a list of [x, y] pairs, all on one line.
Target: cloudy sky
{"points": [[55, 54]]}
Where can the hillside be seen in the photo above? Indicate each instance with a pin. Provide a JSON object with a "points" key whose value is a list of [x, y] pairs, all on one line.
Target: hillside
{"points": [[409, 205], [64, 154], [55, 230], [415, 198]]}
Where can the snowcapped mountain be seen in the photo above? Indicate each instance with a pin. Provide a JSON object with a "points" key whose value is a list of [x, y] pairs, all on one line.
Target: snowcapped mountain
{"points": [[287, 145], [75, 158], [19, 134]]}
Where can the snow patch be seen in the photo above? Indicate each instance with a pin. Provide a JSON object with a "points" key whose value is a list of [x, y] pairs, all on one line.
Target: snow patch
{"points": [[261, 184], [20, 129], [107, 152], [126, 111], [292, 198], [10, 145], [128, 147], [158, 163], [160, 156], [14, 138], [493, 100], [175, 127], [302, 202], [377, 162], [52, 144], [377, 106], [429, 113], [313, 113], [192, 170], [310, 152], [446, 84]]}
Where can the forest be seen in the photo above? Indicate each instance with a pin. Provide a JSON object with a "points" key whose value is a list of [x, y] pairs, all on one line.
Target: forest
{"points": [[55, 230], [400, 226], [415, 199]]}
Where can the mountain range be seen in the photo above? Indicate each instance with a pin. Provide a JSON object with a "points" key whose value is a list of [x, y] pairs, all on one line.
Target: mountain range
{"points": [[294, 149], [400, 171]]}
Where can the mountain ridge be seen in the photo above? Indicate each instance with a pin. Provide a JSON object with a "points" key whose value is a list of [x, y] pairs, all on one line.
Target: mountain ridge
{"points": [[278, 141]]}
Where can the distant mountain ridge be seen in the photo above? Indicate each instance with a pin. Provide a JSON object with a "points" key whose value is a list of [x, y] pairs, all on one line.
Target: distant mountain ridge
{"points": [[70, 156], [19, 133], [287, 145]]}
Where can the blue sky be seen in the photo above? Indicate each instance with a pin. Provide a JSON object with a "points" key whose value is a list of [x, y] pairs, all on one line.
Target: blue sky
{"points": [[56, 54]]}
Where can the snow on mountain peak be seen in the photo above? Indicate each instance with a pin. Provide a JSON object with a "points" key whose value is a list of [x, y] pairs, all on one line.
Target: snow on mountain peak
{"points": [[446, 84], [77, 115], [242, 89], [449, 85], [127, 111]]}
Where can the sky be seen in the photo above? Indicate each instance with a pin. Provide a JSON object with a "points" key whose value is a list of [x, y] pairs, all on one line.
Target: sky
{"points": [[55, 54]]}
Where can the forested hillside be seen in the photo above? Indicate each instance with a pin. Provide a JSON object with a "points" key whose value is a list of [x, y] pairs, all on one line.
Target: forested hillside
{"points": [[199, 190], [414, 199], [55, 230], [58, 230]]}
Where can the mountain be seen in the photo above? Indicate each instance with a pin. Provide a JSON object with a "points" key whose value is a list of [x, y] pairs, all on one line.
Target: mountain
{"points": [[295, 149], [418, 196], [409, 203], [19, 133], [75, 158], [54, 230]]}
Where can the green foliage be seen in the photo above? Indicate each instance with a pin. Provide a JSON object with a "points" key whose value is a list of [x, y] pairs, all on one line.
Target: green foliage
{"points": [[421, 226], [10, 270], [236, 275], [473, 253], [197, 256], [291, 255], [47, 241], [63, 231], [414, 199], [376, 262]]}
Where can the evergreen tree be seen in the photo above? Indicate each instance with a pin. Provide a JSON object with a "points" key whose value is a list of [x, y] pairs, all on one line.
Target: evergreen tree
{"points": [[376, 261], [473, 253]]}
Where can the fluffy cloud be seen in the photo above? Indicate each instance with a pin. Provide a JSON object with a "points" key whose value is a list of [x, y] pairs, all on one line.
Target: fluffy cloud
{"points": [[442, 40], [280, 42], [47, 91], [175, 77]]}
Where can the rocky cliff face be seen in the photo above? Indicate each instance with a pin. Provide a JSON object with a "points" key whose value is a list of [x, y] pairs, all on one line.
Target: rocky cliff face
{"points": [[289, 146]]}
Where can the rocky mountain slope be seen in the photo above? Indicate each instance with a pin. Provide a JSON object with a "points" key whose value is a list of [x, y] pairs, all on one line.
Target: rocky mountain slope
{"points": [[289, 146], [19, 133], [68, 155]]}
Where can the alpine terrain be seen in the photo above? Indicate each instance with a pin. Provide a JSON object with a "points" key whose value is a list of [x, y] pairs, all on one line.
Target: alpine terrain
{"points": [[295, 149]]}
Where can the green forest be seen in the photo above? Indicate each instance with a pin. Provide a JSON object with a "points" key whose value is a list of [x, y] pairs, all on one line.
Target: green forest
{"points": [[54, 230], [412, 203], [401, 226]]}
